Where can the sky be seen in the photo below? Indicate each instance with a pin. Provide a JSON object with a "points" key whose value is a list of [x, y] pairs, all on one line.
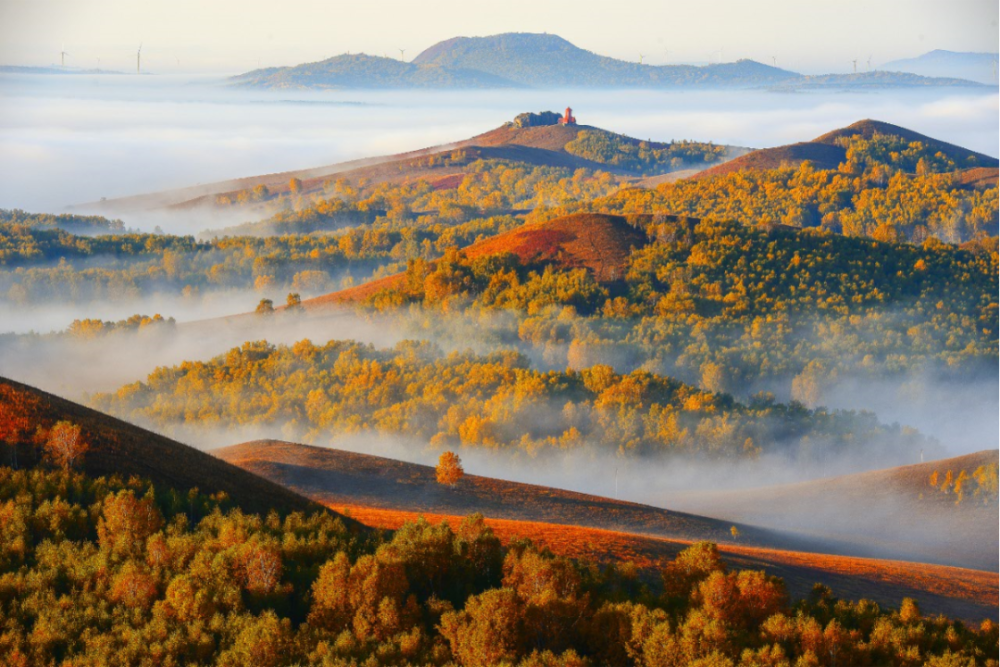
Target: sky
{"points": [[232, 36]]}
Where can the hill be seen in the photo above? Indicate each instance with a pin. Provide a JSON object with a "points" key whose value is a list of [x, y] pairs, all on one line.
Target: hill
{"points": [[941, 63], [119, 448], [551, 61], [385, 493], [821, 155], [535, 146], [868, 128], [884, 510], [824, 153], [597, 242], [335, 477], [364, 71]]}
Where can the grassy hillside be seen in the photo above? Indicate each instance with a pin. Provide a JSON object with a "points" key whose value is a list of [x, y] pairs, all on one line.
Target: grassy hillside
{"points": [[335, 477], [119, 448], [894, 510]]}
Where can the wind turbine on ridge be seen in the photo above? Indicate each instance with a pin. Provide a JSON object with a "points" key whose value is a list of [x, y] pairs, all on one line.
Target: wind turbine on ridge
{"points": [[62, 56], [402, 55], [138, 60], [855, 63], [641, 56]]}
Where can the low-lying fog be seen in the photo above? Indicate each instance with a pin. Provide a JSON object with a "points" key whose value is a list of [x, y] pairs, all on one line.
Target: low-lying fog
{"points": [[76, 138]]}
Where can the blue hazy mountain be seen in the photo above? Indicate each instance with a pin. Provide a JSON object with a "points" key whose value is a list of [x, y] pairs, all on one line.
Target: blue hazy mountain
{"points": [[977, 67]]}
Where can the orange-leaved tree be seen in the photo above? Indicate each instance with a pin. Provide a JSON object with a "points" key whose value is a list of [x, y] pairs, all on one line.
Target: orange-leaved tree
{"points": [[449, 469], [65, 445]]}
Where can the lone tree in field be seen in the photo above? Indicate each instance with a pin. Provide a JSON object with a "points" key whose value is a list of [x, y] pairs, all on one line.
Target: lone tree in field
{"points": [[65, 446], [449, 469], [265, 307]]}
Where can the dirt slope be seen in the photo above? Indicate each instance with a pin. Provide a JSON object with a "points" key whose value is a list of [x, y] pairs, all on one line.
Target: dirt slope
{"points": [[883, 512], [117, 447]]}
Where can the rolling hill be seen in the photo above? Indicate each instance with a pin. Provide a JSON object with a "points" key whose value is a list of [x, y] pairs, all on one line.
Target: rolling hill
{"points": [[868, 128], [536, 146], [385, 493], [597, 242], [364, 71], [886, 511], [824, 153], [119, 448]]}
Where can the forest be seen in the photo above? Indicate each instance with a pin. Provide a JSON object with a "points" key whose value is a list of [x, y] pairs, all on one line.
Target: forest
{"points": [[495, 401], [116, 572]]}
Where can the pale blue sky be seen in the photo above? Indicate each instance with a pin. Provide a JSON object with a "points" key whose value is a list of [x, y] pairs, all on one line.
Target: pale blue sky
{"points": [[228, 36]]}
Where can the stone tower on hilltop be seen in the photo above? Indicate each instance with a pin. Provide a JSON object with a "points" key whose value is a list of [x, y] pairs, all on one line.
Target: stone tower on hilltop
{"points": [[568, 119]]}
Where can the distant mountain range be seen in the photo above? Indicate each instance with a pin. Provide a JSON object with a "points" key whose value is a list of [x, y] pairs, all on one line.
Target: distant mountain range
{"points": [[980, 67], [526, 60], [363, 71]]}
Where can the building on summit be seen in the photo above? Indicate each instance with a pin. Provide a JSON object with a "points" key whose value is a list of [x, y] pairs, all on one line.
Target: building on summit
{"points": [[568, 119]]}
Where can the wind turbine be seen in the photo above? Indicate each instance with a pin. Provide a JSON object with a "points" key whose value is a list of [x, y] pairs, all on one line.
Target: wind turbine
{"points": [[855, 63], [138, 60], [62, 56], [774, 61], [869, 68], [641, 56], [402, 55]]}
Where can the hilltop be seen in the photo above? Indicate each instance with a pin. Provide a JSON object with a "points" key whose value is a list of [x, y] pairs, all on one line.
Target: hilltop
{"points": [[868, 128], [119, 448], [825, 153], [365, 71], [597, 242], [887, 511]]}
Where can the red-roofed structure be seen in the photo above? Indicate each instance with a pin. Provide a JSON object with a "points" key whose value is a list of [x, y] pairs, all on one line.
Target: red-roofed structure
{"points": [[568, 119]]}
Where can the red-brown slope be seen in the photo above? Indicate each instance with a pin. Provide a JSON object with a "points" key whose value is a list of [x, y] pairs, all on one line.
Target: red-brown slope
{"points": [[888, 511], [334, 477], [597, 242], [119, 448], [978, 178]]}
